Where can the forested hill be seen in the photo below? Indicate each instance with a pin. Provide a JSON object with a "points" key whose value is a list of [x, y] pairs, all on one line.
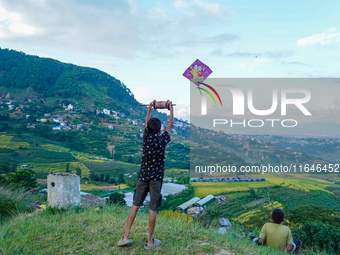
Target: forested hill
{"points": [[51, 78]]}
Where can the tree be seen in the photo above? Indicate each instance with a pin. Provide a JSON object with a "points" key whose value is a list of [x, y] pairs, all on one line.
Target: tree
{"points": [[102, 178], [68, 168], [24, 178], [316, 234], [121, 178], [78, 171], [183, 180], [112, 181], [94, 177], [4, 169], [107, 177], [116, 198], [253, 194]]}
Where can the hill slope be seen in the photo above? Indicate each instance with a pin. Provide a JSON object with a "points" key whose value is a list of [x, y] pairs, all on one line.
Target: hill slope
{"points": [[87, 231], [51, 78]]}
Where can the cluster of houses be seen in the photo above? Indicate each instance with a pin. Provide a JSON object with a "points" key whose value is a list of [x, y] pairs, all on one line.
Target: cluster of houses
{"points": [[105, 111], [11, 106], [238, 178], [68, 106], [195, 206], [62, 125]]}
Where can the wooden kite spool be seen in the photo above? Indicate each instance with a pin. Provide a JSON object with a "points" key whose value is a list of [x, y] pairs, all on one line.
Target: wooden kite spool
{"points": [[159, 104]]}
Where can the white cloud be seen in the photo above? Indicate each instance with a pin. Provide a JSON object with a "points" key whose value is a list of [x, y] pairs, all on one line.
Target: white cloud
{"points": [[182, 112], [67, 24], [124, 30], [22, 29], [330, 37], [213, 8], [142, 94]]}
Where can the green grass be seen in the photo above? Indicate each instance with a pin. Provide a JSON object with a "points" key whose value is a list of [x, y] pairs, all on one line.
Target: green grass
{"points": [[87, 231], [11, 202]]}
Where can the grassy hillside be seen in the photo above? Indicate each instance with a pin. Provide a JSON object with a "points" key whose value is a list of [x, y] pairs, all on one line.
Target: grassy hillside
{"points": [[87, 231]]}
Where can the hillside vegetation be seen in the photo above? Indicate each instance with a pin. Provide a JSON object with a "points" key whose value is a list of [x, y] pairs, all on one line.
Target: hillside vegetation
{"points": [[90, 231], [50, 78]]}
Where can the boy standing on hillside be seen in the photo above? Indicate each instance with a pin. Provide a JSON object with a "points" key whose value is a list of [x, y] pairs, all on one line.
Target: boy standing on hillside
{"points": [[276, 235], [151, 175]]}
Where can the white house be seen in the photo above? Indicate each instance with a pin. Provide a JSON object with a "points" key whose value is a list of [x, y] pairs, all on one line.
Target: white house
{"points": [[60, 127], [58, 120], [106, 111], [70, 107]]}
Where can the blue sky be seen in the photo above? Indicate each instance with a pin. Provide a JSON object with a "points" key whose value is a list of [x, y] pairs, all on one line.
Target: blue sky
{"points": [[149, 44]]}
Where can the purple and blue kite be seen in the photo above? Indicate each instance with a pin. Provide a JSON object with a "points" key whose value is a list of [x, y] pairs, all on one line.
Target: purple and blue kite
{"points": [[197, 72]]}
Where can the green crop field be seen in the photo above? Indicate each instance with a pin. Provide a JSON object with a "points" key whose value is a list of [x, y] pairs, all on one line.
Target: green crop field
{"points": [[203, 189], [78, 155], [6, 143], [305, 183], [55, 147], [297, 182], [255, 213], [59, 167]]}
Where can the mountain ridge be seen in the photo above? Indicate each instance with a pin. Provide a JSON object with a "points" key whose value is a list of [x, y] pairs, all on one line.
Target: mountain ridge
{"points": [[52, 78]]}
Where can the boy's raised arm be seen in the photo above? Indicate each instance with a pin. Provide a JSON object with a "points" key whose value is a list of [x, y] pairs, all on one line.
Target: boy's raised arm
{"points": [[148, 115], [171, 119]]}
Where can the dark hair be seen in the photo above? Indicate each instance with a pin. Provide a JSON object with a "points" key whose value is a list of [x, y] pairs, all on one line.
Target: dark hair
{"points": [[278, 216], [154, 125]]}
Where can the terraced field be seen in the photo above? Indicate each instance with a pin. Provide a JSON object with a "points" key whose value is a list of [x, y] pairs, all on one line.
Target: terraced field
{"points": [[293, 182], [7, 143], [305, 184], [203, 189]]}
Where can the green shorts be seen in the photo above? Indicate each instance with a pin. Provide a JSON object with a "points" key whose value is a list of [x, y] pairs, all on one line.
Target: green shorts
{"points": [[142, 190]]}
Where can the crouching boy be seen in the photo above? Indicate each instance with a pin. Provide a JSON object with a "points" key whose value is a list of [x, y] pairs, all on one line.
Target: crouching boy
{"points": [[276, 235], [151, 175]]}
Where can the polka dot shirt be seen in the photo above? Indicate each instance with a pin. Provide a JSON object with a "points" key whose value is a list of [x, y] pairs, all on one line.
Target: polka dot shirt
{"points": [[152, 165]]}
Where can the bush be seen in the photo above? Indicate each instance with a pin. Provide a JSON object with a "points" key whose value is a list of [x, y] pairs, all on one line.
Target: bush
{"points": [[116, 198], [7, 207], [313, 213], [24, 179], [14, 201], [319, 235]]}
